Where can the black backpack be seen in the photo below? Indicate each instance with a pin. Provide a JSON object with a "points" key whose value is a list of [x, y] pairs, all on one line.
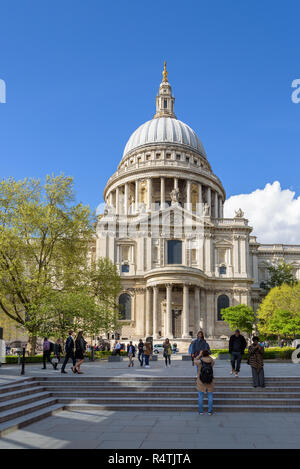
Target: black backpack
{"points": [[206, 373], [51, 346]]}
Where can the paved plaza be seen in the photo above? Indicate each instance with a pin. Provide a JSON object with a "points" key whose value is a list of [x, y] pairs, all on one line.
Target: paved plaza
{"points": [[155, 430]]}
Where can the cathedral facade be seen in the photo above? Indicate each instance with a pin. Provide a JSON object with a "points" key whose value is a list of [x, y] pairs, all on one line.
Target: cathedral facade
{"points": [[179, 259]]}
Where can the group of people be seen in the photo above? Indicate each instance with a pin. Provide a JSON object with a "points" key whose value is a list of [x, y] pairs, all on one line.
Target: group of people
{"points": [[74, 350], [145, 350], [200, 353]]}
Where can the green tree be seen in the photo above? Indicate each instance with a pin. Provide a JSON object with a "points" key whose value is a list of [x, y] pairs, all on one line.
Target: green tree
{"points": [[44, 245], [65, 310], [279, 312], [239, 317], [280, 274], [104, 285]]}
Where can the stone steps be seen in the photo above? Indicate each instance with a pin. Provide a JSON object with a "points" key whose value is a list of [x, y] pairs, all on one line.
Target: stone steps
{"points": [[178, 401], [184, 408], [26, 401], [182, 394], [22, 401], [24, 420], [26, 409]]}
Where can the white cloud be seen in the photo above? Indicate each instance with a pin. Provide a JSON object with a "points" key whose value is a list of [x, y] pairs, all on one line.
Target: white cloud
{"points": [[274, 213]]}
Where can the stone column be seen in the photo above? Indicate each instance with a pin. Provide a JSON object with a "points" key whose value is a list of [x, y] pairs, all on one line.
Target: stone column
{"points": [[149, 193], [148, 311], [168, 318], [117, 200], [210, 313], [216, 205], [197, 315], [175, 183], [155, 312], [200, 201], [162, 193], [185, 312], [208, 198], [220, 208], [188, 195], [126, 198], [110, 199], [203, 314], [136, 196]]}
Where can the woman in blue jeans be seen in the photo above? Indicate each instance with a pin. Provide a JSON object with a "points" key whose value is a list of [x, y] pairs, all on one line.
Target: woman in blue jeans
{"points": [[204, 360]]}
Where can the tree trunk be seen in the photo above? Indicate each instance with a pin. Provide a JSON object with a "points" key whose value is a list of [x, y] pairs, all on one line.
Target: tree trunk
{"points": [[32, 345]]}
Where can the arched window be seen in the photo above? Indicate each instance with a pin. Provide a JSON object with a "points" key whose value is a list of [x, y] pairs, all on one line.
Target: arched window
{"points": [[223, 302], [125, 306]]}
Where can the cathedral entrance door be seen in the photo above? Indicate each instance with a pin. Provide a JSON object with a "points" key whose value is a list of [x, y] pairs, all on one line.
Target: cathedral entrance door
{"points": [[176, 323]]}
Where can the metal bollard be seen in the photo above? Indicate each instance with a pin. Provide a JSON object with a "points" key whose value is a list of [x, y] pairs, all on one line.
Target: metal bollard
{"points": [[93, 354], [23, 362]]}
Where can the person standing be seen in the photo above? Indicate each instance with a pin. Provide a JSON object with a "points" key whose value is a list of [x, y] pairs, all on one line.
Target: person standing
{"points": [[141, 352], [199, 344], [237, 345], [147, 353], [117, 348], [130, 353], [205, 380], [80, 347], [57, 353], [167, 352], [256, 361], [46, 352], [69, 349]]}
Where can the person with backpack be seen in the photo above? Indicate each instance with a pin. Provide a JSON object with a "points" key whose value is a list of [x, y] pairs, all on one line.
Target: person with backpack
{"points": [[256, 361], [47, 349], [198, 346], [237, 345], [131, 353], [205, 380], [167, 352], [141, 352]]}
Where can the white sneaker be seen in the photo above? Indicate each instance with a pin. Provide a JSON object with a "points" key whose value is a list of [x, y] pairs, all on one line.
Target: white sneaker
{"points": [[147, 366]]}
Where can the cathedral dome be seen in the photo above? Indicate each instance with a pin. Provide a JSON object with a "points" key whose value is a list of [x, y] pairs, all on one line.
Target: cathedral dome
{"points": [[164, 130]]}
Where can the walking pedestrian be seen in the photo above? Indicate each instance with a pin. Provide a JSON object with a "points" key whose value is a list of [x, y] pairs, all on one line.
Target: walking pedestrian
{"points": [[205, 380], [147, 353], [237, 345], [167, 352], [256, 361], [131, 353], [57, 353], [80, 347], [46, 352], [141, 352], [69, 349]]}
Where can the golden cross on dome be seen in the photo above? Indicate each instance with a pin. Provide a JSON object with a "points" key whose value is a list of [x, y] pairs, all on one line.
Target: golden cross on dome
{"points": [[165, 73]]}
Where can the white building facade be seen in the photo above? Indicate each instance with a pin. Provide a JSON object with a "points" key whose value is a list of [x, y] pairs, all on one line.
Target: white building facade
{"points": [[179, 259]]}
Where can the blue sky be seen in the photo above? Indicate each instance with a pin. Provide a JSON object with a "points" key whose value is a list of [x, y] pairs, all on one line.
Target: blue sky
{"points": [[81, 76]]}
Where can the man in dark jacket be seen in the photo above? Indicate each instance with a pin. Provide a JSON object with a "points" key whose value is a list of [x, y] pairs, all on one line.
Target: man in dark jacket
{"points": [[69, 348], [237, 345]]}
